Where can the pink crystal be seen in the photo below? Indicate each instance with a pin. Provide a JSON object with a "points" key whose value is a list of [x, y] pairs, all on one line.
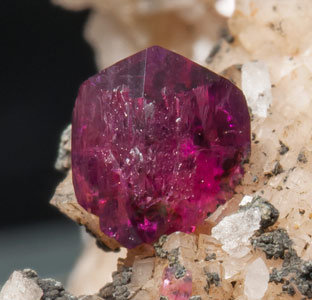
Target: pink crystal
{"points": [[176, 288], [157, 143]]}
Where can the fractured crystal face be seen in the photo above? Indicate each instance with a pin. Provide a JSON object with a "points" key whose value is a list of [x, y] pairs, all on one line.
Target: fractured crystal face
{"points": [[174, 288], [157, 143]]}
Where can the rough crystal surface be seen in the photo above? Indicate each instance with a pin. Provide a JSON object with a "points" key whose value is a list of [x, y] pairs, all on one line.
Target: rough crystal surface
{"points": [[176, 288], [157, 143], [19, 287], [256, 85], [234, 231]]}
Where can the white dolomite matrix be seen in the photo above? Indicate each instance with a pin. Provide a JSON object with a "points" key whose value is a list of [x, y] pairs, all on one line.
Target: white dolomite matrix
{"points": [[256, 85], [246, 199]]}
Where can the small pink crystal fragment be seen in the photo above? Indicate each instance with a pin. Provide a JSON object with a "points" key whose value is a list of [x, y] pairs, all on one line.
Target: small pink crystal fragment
{"points": [[176, 289], [157, 143]]}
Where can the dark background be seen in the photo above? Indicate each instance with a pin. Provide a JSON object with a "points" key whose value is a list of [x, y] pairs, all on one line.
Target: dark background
{"points": [[44, 59]]}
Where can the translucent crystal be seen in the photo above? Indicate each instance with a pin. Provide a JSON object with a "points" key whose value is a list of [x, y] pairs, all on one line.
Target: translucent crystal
{"points": [[176, 288], [256, 85], [256, 280], [157, 142], [235, 231]]}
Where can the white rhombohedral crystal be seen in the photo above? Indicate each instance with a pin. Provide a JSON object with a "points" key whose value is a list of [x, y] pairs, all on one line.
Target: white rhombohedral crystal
{"points": [[256, 280], [234, 231], [256, 86]]}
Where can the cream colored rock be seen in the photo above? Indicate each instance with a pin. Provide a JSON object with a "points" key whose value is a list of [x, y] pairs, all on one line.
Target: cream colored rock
{"points": [[19, 287], [64, 199], [142, 271], [63, 161], [256, 86], [256, 280], [118, 28], [225, 7]]}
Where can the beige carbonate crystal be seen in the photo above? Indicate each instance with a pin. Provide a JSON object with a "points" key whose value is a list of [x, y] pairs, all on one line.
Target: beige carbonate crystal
{"points": [[256, 280], [142, 271]]}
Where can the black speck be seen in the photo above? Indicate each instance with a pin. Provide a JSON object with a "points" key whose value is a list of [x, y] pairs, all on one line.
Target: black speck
{"points": [[226, 35], [211, 256], [216, 48], [255, 179], [277, 169], [213, 278], [301, 211], [283, 149], [302, 158]]}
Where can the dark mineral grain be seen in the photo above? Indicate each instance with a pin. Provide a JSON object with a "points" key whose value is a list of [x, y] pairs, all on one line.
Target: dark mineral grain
{"points": [[52, 289], [212, 278], [294, 271], [283, 148], [273, 244], [269, 214], [117, 290]]}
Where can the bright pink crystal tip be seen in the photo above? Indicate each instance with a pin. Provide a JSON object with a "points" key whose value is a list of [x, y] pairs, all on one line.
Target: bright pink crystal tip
{"points": [[157, 143], [176, 288]]}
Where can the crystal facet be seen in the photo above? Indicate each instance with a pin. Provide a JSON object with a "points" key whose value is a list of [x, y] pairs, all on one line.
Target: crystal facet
{"points": [[176, 288], [157, 143]]}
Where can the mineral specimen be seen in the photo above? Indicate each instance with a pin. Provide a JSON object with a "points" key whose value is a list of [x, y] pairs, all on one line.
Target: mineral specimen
{"points": [[271, 37], [158, 142]]}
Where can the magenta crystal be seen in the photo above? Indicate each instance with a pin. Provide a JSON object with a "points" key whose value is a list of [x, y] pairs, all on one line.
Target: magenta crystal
{"points": [[158, 142]]}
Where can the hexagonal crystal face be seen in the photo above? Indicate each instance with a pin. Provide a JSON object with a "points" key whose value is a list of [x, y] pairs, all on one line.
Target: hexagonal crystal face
{"points": [[157, 143]]}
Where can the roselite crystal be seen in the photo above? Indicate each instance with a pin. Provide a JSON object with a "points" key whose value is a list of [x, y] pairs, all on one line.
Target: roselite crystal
{"points": [[158, 142]]}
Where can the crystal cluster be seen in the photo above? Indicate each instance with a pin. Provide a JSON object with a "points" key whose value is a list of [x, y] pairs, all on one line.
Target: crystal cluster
{"points": [[157, 143]]}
